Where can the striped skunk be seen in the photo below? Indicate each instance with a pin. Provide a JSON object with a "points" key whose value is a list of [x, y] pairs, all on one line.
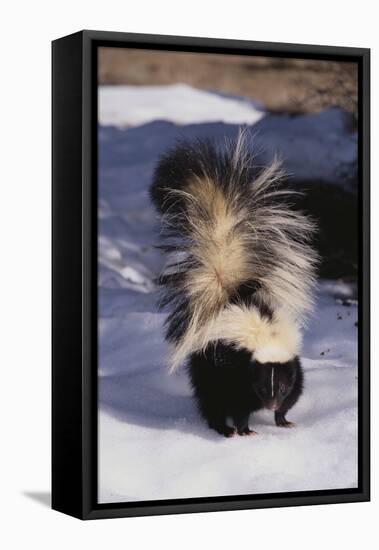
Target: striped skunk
{"points": [[238, 280]]}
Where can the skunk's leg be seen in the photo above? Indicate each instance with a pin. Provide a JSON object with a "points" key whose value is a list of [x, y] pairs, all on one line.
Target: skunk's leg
{"points": [[242, 424], [222, 428], [289, 402], [218, 423], [281, 421]]}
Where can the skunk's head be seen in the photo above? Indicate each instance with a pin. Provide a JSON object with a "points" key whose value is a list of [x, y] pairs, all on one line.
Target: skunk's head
{"points": [[273, 382]]}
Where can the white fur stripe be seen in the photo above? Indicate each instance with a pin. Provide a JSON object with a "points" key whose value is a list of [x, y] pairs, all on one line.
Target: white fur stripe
{"points": [[270, 341]]}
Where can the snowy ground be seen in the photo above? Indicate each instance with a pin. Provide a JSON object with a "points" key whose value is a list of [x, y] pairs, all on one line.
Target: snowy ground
{"points": [[152, 443], [135, 105]]}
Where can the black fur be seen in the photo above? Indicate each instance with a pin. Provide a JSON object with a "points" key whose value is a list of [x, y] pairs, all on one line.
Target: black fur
{"points": [[228, 383]]}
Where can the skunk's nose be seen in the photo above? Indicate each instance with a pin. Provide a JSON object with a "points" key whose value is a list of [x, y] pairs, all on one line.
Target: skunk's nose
{"points": [[272, 405]]}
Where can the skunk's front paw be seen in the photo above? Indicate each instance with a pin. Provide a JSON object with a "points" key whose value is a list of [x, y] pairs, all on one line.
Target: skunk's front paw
{"points": [[224, 430], [246, 431], [228, 431], [282, 422]]}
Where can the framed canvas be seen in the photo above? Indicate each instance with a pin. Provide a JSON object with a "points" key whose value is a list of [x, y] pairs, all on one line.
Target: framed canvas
{"points": [[210, 275]]}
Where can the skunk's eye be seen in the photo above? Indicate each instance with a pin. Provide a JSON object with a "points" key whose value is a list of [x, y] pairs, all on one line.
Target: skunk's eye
{"points": [[263, 390], [283, 389]]}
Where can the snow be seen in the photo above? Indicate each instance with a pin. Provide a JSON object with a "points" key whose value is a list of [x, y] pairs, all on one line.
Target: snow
{"points": [[154, 445], [179, 103], [152, 442], [318, 147], [314, 147]]}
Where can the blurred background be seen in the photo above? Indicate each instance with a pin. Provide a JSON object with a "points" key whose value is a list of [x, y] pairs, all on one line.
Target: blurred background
{"points": [[281, 85]]}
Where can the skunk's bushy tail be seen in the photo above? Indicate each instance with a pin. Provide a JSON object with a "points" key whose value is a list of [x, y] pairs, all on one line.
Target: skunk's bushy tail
{"points": [[229, 232]]}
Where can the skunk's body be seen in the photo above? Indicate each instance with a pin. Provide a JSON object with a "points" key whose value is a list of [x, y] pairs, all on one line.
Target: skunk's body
{"points": [[238, 279], [229, 385]]}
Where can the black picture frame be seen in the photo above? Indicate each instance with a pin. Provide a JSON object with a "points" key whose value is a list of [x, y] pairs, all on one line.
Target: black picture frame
{"points": [[74, 271]]}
